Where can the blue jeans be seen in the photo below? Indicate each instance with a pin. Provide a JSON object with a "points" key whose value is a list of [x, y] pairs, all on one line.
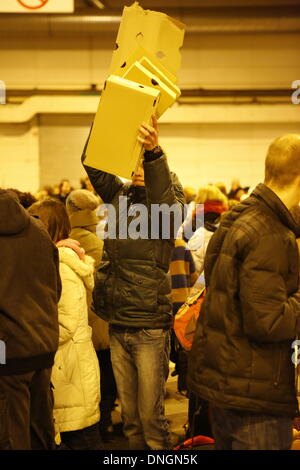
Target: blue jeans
{"points": [[243, 430], [140, 360]]}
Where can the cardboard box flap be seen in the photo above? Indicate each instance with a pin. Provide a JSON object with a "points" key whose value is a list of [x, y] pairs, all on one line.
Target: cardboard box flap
{"points": [[138, 55], [140, 74], [159, 72], [156, 32]]}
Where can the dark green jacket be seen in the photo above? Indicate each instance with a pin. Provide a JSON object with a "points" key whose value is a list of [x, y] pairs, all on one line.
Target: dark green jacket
{"points": [[133, 289], [242, 356]]}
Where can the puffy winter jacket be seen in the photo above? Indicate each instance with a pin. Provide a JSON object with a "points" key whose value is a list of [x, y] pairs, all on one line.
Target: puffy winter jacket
{"points": [[75, 374], [133, 289], [241, 356]]}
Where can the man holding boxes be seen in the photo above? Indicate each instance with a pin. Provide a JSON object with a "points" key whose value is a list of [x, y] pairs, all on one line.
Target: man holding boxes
{"points": [[133, 294]]}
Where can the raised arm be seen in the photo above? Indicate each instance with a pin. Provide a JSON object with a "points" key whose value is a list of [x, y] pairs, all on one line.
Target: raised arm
{"points": [[163, 187]]}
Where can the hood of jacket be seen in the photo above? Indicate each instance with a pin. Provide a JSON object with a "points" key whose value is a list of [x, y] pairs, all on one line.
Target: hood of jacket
{"points": [[84, 219], [83, 268], [13, 217]]}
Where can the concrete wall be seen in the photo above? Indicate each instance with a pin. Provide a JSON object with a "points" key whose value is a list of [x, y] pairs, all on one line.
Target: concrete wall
{"points": [[209, 61], [48, 147]]}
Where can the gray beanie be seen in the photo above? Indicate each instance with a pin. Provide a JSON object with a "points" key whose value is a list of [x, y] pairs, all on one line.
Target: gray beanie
{"points": [[81, 199]]}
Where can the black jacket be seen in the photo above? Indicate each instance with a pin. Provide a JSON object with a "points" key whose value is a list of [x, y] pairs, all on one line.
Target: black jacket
{"points": [[133, 288], [29, 290], [242, 352]]}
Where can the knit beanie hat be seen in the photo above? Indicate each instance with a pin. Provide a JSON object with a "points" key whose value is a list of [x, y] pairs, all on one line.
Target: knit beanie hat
{"points": [[81, 199]]}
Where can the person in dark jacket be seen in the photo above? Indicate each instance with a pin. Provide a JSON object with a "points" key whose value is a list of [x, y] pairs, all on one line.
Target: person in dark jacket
{"points": [[30, 288], [133, 293], [241, 359]]}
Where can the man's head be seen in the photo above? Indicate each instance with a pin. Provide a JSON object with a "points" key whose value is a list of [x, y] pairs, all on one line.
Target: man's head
{"points": [[138, 176], [282, 167]]}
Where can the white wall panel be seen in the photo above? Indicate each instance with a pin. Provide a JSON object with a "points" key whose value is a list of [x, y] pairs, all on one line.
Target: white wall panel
{"points": [[199, 153], [62, 139], [209, 61], [19, 158]]}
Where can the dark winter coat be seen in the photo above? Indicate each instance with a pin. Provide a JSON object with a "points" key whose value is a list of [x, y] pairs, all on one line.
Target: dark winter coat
{"points": [[134, 290], [242, 352], [30, 288]]}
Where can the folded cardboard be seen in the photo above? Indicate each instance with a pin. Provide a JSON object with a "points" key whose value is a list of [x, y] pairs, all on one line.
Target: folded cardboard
{"points": [[159, 71], [156, 32], [138, 55], [138, 73], [113, 146]]}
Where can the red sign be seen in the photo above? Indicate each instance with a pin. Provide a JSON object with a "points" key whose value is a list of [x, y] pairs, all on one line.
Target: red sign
{"points": [[33, 4]]}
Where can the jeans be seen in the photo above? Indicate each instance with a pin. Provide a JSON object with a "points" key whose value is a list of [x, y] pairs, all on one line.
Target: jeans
{"points": [[26, 411], [243, 430], [140, 360]]}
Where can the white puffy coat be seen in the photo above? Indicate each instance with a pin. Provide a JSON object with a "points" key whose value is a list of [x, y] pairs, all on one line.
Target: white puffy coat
{"points": [[75, 374]]}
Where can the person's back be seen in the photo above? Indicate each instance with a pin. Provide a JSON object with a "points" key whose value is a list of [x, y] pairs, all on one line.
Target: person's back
{"points": [[29, 291], [241, 360]]}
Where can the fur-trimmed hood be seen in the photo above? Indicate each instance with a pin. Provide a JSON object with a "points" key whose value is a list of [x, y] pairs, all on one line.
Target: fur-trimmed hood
{"points": [[84, 269]]}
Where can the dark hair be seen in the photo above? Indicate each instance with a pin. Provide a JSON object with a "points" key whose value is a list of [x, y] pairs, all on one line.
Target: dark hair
{"points": [[53, 215], [25, 199]]}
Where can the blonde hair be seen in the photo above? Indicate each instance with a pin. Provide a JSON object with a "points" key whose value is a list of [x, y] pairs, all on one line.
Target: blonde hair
{"points": [[210, 193], [189, 193], [221, 187], [282, 163]]}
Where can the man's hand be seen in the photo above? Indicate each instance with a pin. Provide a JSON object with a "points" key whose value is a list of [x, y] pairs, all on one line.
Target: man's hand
{"points": [[149, 134]]}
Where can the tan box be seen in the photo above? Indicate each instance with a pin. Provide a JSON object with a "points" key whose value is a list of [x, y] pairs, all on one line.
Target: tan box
{"points": [[113, 146], [156, 32], [139, 74], [139, 54], [145, 62]]}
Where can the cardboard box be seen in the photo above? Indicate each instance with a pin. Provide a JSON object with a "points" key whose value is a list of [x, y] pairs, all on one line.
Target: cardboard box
{"points": [[138, 73], [156, 32], [159, 71], [139, 54], [113, 146]]}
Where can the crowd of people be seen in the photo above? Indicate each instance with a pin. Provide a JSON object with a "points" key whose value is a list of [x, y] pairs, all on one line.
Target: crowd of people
{"points": [[86, 321]]}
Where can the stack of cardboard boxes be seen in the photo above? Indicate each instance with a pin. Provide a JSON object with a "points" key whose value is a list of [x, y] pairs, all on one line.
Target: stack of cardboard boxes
{"points": [[142, 81]]}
